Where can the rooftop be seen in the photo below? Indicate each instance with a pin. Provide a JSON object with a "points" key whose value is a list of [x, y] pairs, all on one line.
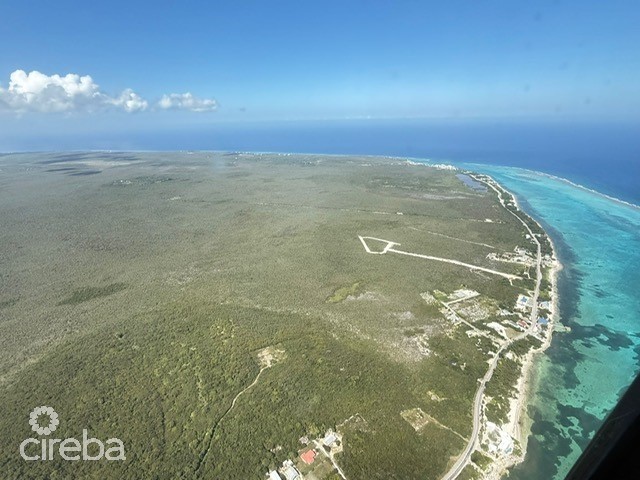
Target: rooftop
{"points": [[308, 457], [329, 439], [273, 475], [290, 473]]}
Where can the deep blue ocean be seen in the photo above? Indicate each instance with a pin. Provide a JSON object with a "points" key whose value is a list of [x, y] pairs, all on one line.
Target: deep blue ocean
{"points": [[603, 156], [578, 380]]}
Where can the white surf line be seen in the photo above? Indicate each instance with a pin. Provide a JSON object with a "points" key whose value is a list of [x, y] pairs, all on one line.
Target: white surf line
{"points": [[390, 245]]}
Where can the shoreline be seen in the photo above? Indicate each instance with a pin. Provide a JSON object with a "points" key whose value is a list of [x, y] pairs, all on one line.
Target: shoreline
{"points": [[521, 421], [519, 424]]}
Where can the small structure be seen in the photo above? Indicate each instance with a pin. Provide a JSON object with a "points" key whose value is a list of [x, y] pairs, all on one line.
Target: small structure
{"points": [[273, 475], [545, 305], [309, 456], [289, 471], [329, 439], [523, 302], [304, 440], [522, 323]]}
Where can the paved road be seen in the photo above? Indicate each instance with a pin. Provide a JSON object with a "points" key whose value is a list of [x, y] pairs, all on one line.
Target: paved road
{"points": [[464, 458], [536, 293]]}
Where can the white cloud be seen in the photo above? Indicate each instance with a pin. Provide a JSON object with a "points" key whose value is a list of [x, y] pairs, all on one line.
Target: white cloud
{"points": [[187, 101], [130, 101], [37, 92]]}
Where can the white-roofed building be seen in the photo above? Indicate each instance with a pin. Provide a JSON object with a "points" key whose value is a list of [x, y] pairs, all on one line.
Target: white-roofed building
{"points": [[290, 473], [273, 475], [329, 439]]}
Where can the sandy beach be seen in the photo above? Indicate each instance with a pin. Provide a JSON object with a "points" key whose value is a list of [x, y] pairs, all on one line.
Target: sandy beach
{"points": [[519, 423]]}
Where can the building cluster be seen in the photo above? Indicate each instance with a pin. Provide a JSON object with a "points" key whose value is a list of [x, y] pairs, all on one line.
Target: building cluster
{"points": [[287, 470], [523, 305], [519, 255], [331, 443]]}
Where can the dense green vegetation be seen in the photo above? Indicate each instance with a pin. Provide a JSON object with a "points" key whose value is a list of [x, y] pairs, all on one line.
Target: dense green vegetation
{"points": [[469, 473], [481, 460], [85, 294], [523, 346], [501, 388], [160, 381], [8, 303], [135, 302], [343, 292]]}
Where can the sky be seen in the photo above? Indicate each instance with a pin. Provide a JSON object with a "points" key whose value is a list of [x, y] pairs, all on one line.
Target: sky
{"points": [[70, 66]]}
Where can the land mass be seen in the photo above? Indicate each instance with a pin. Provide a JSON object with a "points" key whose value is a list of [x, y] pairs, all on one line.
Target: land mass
{"points": [[234, 315]]}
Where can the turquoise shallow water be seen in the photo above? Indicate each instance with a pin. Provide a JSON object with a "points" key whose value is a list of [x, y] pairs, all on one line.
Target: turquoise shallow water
{"points": [[578, 380]]}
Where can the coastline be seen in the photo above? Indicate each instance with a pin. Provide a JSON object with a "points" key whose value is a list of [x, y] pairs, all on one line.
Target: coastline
{"points": [[546, 396], [567, 181], [519, 424]]}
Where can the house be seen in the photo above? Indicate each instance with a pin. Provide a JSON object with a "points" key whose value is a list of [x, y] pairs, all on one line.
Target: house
{"points": [[273, 475], [309, 456], [290, 473], [523, 302], [329, 439], [543, 321]]}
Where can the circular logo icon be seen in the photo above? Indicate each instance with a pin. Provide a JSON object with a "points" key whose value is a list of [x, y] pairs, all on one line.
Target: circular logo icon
{"points": [[53, 420]]}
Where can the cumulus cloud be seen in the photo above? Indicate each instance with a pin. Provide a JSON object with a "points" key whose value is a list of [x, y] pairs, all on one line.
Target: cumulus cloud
{"points": [[187, 101], [38, 92], [129, 101]]}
